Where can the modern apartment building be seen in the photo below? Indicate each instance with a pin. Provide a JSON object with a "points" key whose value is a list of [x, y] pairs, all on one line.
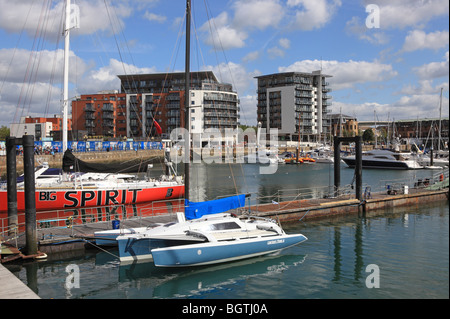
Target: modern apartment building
{"points": [[100, 114], [295, 103], [212, 104]]}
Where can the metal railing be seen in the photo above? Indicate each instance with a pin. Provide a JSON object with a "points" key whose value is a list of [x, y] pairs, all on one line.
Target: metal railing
{"points": [[72, 218]]}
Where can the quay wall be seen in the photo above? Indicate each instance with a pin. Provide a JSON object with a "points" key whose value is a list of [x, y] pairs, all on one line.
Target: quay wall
{"points": [[352, 206]]}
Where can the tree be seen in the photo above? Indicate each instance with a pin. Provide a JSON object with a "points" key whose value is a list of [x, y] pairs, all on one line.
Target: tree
{"points": [[4, 132], [368, 135]]}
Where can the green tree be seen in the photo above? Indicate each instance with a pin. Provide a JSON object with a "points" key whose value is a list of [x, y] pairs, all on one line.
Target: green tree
{"points": [[4, 132], [368, 135]]}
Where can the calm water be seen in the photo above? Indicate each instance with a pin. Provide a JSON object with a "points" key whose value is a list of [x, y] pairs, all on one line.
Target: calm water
{"points": [[410, 247]]}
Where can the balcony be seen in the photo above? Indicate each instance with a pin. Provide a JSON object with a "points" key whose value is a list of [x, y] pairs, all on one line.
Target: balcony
{"points": [[107, 108], [108, 124]]}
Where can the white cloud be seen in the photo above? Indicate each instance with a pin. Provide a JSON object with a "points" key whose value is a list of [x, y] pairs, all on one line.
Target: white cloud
{"points": [[154, 17], [313, 14], [285, 43], [345, 74], [223, 34], [275, 52], [252, 56], [258, 14], [29, 15], [39, 66], [434, 69], [359, 29], [424, 87], [235, 74], [106, 78], [407, 13], [419, 40]]}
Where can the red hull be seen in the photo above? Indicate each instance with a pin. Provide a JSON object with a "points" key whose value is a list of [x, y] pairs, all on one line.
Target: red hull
{"points": [[80, 216], [69, 198]]}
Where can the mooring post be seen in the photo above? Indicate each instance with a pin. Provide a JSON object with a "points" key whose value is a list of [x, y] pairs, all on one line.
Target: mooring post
{"points": [[358, 166], [431, 156], [30, 194], [11, 181], [337, 165]]}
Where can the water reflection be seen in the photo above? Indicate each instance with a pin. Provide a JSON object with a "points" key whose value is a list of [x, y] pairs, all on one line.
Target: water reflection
{"points": [[410, 245], [181, 283]]}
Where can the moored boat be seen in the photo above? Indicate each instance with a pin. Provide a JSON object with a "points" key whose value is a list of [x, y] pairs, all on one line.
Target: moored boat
{"points": [[384, 159], [55, 189]]}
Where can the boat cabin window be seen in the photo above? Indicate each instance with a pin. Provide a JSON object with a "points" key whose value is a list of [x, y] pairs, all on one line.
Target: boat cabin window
{"points": [[225, 226]]}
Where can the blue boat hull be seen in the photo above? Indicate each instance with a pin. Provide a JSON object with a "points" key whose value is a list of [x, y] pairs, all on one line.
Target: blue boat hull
{"points": [[132, 249], [219, 252]]}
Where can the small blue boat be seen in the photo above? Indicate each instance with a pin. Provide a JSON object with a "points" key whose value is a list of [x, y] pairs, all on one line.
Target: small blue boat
{"points": [[223, 251], [207, 239]]}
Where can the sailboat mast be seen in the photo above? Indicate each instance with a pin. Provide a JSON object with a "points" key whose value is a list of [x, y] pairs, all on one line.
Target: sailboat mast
{"points": [[186, 99], [66, 77], [440, 115]]}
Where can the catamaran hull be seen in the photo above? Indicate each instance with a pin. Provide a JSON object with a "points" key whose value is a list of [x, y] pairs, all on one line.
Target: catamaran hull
{"points": [[132, 249], [55, 199], [220, 252]]}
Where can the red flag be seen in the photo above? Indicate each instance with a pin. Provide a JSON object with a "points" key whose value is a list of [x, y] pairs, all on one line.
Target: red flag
{"points": [[158, 128]]}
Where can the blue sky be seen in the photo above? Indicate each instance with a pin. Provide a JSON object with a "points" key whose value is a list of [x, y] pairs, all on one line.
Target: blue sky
{"points": [[395, 68]]}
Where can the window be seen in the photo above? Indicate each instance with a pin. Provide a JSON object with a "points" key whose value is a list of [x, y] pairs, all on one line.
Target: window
{"points": [[225, 226]]}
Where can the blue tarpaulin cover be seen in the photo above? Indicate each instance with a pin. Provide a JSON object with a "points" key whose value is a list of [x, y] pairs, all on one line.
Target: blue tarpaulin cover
{"points": [[195, 210]]}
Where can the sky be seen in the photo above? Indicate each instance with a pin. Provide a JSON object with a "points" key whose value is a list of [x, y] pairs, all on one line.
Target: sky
{"points": [[388, 59]]}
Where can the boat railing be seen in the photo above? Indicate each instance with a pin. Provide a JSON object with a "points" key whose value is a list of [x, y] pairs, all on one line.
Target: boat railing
{"points": [[9, 234], [415, 183], [73, 218], [313, 195]]}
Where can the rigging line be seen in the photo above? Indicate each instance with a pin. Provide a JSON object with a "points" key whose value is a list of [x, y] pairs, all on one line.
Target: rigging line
{"points": [[15, 48], [117, 45], [218, 64], [143, 133], [43, 34], [52, 76], [173, 58], [31, 60]]}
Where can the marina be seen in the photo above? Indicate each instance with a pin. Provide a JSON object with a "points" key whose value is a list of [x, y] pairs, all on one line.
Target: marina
{"points": [[304, 213], [331, 264], [226, 218]]}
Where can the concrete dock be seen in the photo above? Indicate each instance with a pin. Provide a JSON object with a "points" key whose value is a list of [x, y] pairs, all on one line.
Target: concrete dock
{"points": [[12, 287]]}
